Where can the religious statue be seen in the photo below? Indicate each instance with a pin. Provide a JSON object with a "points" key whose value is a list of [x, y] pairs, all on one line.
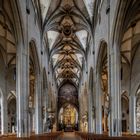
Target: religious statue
{"points": [[107, 104]]}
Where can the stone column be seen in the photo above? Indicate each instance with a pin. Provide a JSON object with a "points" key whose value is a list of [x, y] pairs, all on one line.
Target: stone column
{"points": [[114, 91], [22, 91], [90, 116], [132, 114], [38, 106], [98, 108], [4, 115]]}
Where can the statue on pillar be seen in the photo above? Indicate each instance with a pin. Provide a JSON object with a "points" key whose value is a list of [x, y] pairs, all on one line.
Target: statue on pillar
{"points": [[107, 104]]}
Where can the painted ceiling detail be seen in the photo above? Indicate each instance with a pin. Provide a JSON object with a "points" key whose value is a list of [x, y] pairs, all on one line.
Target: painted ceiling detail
{"points": [[68, 94], [67, 25]]}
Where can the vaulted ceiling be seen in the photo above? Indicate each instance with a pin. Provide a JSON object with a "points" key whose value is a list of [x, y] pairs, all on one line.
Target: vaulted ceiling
{"points": [[67, 27]]}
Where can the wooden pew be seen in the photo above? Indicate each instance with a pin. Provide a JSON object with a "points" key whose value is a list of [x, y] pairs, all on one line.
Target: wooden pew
{"points": [[91, 136], [46, 136]]}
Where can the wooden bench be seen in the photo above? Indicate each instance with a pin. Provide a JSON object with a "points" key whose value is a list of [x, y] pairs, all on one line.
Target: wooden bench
{"points": [[91, 136], [46, 136]]}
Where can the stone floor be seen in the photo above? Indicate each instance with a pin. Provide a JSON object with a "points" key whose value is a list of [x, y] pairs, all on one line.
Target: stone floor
{"points": [[69, 136]]}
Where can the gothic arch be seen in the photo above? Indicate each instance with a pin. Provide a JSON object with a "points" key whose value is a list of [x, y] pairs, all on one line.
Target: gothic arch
{"points": [[101, 53], [68, 93], [135, 49], [101, 67], [123, 18], [14, 19], [18, 20], [77, 109], [124, 32], [67, 81], [35, 85], [125, 111], [135, 75], [11, 106], [8, 44], [102, 85]]}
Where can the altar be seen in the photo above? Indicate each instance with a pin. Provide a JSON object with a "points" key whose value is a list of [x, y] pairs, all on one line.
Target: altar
{"points": [[68, 128], [68, 117]]}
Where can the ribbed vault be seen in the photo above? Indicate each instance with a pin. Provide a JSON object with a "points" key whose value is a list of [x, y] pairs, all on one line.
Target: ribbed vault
{"points": [[67, 27]]}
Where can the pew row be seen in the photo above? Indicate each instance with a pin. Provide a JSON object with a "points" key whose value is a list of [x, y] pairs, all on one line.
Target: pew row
{"points": [[91, 136], [45, 136]]}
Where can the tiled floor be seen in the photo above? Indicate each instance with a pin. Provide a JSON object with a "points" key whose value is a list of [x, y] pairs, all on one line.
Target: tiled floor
{"points": [[69, 136]]}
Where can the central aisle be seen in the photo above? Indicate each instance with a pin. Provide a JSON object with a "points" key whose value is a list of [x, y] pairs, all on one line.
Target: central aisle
{"points": [[69, 136]]}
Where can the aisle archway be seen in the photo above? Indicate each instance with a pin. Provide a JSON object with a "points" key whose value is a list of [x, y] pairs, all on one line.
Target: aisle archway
{"points": [[8, 55], [104, 97], [125, 112], [34, 70], [12, 112], [68, 118], [68, 102]]}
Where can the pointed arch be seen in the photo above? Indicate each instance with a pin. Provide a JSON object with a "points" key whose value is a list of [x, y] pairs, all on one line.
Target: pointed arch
{"points": [[12, 110], [102, 96], [102, 54], [101, 65], [17, 25], [123, 18], [125, 111]]}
